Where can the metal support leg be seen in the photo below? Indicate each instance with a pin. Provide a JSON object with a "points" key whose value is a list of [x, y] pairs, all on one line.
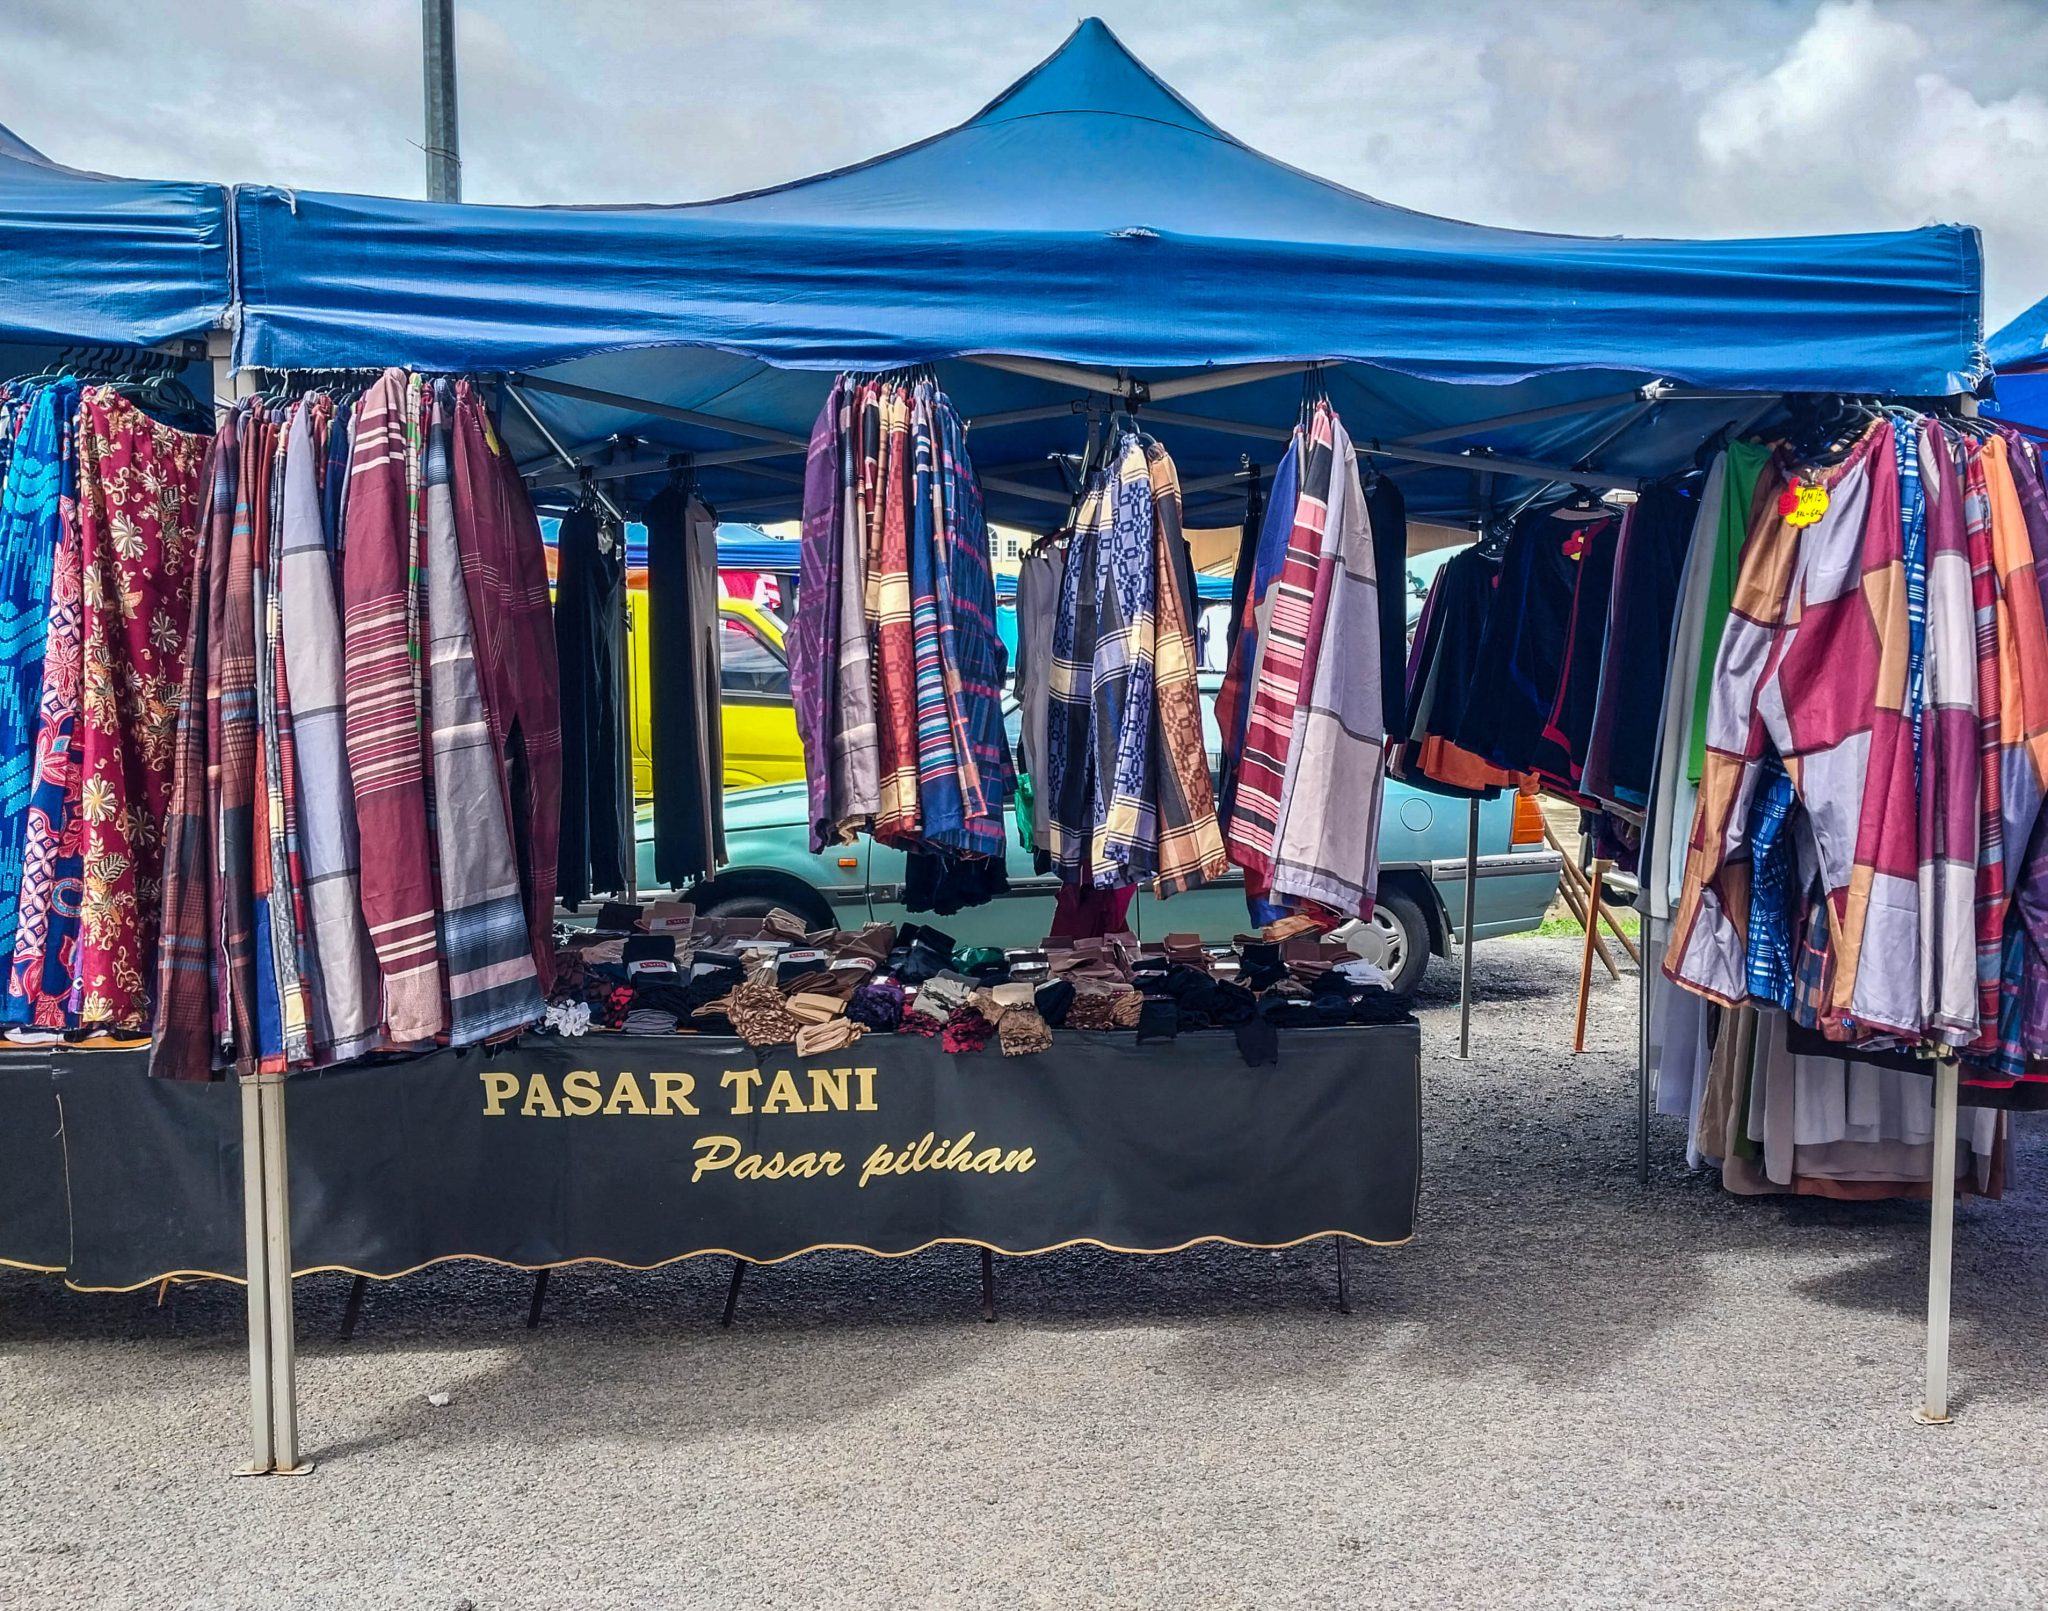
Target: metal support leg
{"points": [[353, 1309], [1941, 1245], [273, 1354], [988, 1285], [540, 1295], [1643, 1063], [1465, 935], [732, 1292], [1343, 1285]]}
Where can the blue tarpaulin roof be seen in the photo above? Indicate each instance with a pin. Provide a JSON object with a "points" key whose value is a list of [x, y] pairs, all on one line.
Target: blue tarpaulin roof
{"points": [[2020, 351], [90, 260], [1090, 216]]}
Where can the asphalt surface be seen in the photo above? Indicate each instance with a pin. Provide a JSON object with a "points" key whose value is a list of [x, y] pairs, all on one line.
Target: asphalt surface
{"points": [[1568, 1391]]}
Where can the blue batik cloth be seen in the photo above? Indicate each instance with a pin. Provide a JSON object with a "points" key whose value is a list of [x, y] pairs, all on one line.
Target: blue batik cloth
{"points": [[40, 476]]}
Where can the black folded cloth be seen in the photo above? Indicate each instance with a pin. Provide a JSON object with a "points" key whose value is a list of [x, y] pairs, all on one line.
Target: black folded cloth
{"points": [[1158, 1019], [650, 948], [1052, 999], [1260, 965]]}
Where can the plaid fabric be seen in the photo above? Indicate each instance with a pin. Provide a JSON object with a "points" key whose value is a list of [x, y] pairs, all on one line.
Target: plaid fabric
{"points": [[138, 511], [386, 752], [2023, 657], [1190, 844], [40, 475], [856, 754], [1278, 688], [942, 774], [484, 937], [279, 910], [968, 638], [1991, 888], [184, 1044], [814, 633], [1327, 846], [1234, 698], [1913, 545], [1950, 815], [505, 575], [345, 998], [886, 479], [1070, 780], [1123, 842], [1775, 904]]}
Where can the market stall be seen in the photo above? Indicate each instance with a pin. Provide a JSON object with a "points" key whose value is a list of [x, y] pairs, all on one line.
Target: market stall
{"points": [[1087, 311]]}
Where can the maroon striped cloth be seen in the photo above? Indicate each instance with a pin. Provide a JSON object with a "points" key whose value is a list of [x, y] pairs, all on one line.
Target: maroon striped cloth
{"points": [[383, 731], [505, 570]]}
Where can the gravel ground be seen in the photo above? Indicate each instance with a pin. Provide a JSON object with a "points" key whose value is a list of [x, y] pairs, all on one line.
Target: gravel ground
{"points": [[1568, 1391]]}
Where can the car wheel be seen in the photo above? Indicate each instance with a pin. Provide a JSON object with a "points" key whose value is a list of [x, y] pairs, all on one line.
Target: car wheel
{"points": [[814, 912], [1396, 937]]}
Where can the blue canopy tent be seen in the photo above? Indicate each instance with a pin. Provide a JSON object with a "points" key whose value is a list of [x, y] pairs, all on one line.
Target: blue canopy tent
{"points": [[88, 260], [1090, 238], [2019, 353]]}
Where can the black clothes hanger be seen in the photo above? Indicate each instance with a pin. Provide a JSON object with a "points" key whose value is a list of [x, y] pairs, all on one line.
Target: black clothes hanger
{"points": [[1581, 505]]}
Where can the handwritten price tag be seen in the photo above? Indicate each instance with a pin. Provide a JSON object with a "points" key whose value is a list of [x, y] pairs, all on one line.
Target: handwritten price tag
{"points": [[1802, 505]]}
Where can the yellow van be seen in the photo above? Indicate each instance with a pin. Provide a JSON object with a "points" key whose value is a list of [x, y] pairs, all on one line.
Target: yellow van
{"points": [[761, 744]]}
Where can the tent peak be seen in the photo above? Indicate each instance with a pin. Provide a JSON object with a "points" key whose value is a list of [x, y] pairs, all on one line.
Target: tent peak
{"points": [[1094, 72]]}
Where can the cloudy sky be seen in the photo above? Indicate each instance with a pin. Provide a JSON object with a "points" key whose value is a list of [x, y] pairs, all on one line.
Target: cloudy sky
{"points": [[1658, 117]]}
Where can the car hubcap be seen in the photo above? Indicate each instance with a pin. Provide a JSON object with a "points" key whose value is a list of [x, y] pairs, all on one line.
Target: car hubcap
{"points": [[1383, 941]]}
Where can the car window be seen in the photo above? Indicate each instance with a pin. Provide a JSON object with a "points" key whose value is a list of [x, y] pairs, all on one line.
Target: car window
{"points": [[748, 663]]}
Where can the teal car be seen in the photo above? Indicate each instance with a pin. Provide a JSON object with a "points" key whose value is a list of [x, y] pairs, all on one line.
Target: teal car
{"points": [[1420, 907]]}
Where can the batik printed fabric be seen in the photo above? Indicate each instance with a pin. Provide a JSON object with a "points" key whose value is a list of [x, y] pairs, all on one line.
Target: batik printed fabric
{"points": [[386, 748], [138, 512], [968, 639], [491, 983], [1327, 849], [1278, 682], [941, 799], [1190, 843], [504, 570], [39, 476], [1070, 780], [345, 998], [46, 936]]}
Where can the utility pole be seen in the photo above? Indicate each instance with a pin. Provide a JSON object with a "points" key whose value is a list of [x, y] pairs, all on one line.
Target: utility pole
{"points": [[444, 141]]}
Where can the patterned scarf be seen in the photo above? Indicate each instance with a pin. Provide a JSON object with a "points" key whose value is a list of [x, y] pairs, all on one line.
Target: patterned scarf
{"points": [[814, 633], [886, 476], [1190, 844], [967, 629], [381, 682]]}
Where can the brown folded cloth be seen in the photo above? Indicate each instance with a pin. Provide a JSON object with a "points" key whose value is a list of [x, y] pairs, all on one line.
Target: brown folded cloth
{"points": [[1294, 925], [1023, 1032], [833, 1035], [1124, 1013], [873, 941], [783, 924], [813, 1007], [1095, 1007], [759, 1015]]}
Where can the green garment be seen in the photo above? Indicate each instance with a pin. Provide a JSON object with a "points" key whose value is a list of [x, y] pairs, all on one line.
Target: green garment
{"points": [[1746, 461]]}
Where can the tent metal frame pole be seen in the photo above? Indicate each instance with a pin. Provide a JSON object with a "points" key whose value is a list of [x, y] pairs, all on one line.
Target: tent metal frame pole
{"points": [[666, 411], [1216, 380], [267, 1244], [1643, 1048], [1934, 1410], [1121, 384], [625, 469], [1465, 936], [1089, 380]]}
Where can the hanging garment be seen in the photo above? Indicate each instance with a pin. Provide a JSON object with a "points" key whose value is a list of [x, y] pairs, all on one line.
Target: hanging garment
{"points": [[969, 642], [346, 999], [1440, 672], [814, 633], [683, 687], [484, 939], [1649, 564], [886, 486], [1261, 564], [1804, 621], [1744, 485], [1070, 781], [1326, 849], [1560, 752], [383, 722], [41, 474], [590, 649], [504, 570], [945, 775], [1038, 590], [856, 741], [1387, 516], [138, 510], [1276, 689], [280, 904], [1190, 849]]}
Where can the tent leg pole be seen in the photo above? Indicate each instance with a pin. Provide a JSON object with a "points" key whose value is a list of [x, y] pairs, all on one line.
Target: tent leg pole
{"points": [[1465, 933], [988, 1285], [352, 1311], [540, 1296], [262, 1452], [732, 1292], [277, 1237], [1343, 1282], [1643, 1063], [1941, 1244]]}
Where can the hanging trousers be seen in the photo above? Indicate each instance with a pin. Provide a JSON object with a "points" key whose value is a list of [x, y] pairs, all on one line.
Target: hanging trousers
{"points": [[590, 646]]}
